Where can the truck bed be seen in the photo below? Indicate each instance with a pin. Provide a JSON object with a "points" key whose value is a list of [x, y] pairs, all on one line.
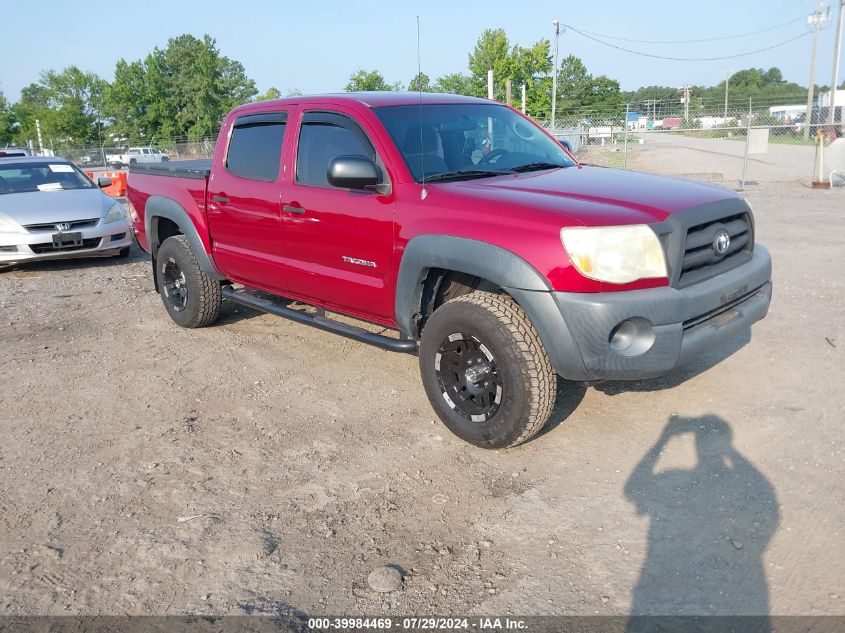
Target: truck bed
{"points": [[199, 168]]}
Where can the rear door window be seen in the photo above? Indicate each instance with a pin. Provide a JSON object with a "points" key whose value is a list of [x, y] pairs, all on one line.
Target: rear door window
{"points": [[255, 146]]}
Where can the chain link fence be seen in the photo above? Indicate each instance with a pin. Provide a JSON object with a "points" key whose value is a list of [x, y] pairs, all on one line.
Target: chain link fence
{"points": [[738, 145], [107, 155]]}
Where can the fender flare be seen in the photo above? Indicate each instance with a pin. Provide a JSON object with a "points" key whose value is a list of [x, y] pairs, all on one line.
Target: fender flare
{"points": [[514, 275], [163, 207]]}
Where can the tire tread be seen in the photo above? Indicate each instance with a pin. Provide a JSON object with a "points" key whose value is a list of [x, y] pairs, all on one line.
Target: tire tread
{"points": [[543, 379], [209, 293]]}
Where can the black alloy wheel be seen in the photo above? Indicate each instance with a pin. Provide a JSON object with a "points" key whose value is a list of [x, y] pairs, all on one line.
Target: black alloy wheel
{"points": [[469, 377], [175, 286]]}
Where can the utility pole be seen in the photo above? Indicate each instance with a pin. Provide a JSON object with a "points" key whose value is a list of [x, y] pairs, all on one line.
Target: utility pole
{"points": [[554, 76], [817, 18], [490, 84], [686, 99], [727, 81], [523, 98], [837, 51]]}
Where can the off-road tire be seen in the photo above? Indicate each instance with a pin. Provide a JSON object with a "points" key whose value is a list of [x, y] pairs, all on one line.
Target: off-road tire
{"points": [[204, 295], [517, 360]]}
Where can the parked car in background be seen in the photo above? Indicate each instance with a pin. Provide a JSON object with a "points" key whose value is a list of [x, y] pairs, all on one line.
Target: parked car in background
{"points": [[14, 151], [464, 226], [50, 209], [138, 156], [818, 122]]}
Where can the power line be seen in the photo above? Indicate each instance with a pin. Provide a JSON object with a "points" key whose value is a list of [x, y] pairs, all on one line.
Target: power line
{"points": [[706, 39], [685, 59]]}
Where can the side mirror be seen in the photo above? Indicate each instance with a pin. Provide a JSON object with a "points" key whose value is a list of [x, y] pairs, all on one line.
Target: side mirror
{"points": [[352, 172], [567, 145], [102, 183]]}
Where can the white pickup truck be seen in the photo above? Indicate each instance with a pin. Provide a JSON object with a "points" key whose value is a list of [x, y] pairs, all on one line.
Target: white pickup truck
{"points": [[137, 156]]}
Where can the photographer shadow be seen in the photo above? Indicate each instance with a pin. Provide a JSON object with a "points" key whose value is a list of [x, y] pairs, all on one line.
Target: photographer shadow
{"points": [[709, 528]]}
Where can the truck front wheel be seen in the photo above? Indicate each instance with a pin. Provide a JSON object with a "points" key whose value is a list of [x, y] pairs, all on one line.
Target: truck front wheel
{"points": [[192, 298], [485, 371]]}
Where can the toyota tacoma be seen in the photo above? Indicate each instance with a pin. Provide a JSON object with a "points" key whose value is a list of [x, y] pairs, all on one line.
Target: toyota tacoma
{"points": [[466, 229]]}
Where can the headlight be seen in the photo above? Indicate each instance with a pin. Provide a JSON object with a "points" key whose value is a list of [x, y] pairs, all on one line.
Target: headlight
{"points": [[8, 225], [115, 213], [615, 254]]}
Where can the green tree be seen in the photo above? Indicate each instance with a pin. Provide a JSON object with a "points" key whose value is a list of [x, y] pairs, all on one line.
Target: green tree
{"points": [[67, 104], [455, 83], [128, 100], [369, 80], [6, 120], [183, 90], [272, 93], [579, 92], [492, 52], [528, 65], [420, 83]]}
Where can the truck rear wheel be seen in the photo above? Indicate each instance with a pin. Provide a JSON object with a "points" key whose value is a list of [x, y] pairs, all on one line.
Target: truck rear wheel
{"points": [[192, 298], [485, 371]]}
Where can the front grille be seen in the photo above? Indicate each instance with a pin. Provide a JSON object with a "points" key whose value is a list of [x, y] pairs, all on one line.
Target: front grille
{"points": [[47, 247], [51, 226], [700, 260]]}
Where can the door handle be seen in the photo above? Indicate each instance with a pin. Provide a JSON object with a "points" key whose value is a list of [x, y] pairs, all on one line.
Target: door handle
{"points": [[220, 199], [289, 209]]}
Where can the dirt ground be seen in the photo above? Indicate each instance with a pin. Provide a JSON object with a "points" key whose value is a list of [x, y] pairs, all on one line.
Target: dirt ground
{"points": [[260, 466]]}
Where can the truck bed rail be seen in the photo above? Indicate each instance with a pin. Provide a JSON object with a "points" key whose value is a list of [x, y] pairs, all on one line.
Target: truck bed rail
{"points": [[199, 168]]}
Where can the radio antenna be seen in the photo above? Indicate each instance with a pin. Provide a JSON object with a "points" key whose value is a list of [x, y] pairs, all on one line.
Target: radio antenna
{"points": [[423, 192]]}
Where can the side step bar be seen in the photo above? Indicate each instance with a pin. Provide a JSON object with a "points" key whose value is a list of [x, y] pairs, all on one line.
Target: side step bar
{"points": [[248, 299]]}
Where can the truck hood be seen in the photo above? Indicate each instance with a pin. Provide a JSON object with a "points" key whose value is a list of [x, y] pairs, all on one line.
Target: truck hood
{"points": [[597, 194], [41, 207]]}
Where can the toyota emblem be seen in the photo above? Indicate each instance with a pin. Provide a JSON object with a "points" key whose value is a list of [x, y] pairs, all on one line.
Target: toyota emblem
{"points": [[722, 242]]}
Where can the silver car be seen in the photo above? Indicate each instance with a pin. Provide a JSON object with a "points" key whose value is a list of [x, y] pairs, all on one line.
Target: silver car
{"points": [[50, 209]]}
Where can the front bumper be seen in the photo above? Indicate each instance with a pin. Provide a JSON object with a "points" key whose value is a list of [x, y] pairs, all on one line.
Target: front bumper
{"points": [[678, 324], [685, 323], [37, 246]]}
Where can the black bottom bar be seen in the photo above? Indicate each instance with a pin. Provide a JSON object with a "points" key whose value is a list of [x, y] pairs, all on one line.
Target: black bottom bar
{"points": [[247, 298]]}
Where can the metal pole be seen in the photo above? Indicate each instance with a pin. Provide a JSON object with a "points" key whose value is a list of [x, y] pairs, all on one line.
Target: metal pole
{"points": [[523, 98], [836, 54], [747, 143], [40, 140], [816, 19], [490, 96], [554, 76], [727, 81], [625, 151]]}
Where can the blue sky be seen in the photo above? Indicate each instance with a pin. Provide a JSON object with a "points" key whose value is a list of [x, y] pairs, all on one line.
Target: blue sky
{"points": [[315, 46]]}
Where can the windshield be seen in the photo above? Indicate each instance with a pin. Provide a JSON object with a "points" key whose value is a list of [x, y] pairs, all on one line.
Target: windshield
{"points": [[41, 176], [469, 140]]}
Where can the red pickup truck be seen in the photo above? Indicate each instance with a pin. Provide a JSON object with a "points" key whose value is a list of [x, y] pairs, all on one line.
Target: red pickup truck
{"points": [[464, 227]]}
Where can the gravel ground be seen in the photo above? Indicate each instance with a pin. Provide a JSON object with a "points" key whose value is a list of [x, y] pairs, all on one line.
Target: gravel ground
{"points": [[260, 466]]}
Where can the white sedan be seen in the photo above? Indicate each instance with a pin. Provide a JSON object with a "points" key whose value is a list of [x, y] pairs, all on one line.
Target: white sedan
{"points": [[50, 209]]}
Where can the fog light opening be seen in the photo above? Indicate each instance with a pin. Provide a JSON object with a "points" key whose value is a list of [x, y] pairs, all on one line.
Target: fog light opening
{"points": [[632, 337]]}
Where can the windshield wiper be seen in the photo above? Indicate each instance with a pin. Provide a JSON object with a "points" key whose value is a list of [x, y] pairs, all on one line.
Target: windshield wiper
{"points": [[465, 173], [537, 167]]}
